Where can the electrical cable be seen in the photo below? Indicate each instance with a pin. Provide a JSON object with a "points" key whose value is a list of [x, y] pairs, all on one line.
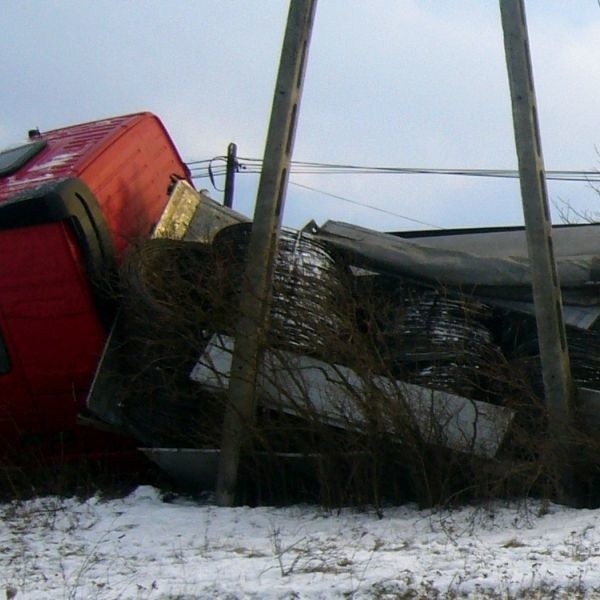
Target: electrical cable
{"points": [[201, 169], [254, 165], [365, 205]]}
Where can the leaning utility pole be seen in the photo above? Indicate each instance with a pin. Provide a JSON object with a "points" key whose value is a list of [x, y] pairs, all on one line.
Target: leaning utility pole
{"points": [[262, 251], [558, 385]]}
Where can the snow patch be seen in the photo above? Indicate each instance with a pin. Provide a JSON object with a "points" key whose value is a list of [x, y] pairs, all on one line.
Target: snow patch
{"points": [[143, 547], [55, 162]]}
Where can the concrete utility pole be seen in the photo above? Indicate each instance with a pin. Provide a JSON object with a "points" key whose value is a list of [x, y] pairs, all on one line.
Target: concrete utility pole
{"points": [[558, 385], [256, 286]]}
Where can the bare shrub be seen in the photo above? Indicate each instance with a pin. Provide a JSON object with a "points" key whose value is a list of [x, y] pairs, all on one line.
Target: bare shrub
{"points": [[361, 441]]}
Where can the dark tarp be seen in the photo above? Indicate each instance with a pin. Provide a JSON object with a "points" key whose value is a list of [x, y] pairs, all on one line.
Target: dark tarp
{"points": [[492, 264]]}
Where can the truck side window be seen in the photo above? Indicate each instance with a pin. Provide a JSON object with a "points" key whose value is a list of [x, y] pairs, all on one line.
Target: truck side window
{"points": [[4, 359], [12, 159]]}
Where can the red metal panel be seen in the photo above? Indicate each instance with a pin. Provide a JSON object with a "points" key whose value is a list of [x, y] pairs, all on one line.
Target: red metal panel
{"points": [[130, 176], [18, 413], [54, 334], [126, 161], [48, 316], [64, 155]]}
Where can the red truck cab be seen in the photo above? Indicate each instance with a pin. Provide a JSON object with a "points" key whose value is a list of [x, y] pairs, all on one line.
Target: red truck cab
{"points": [[71, 201]]}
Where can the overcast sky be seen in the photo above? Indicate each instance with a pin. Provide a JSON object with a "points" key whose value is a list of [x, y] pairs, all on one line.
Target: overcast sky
{"points": [[405, 83]]}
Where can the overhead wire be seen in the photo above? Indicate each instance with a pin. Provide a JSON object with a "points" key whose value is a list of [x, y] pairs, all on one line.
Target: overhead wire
{"points": [[213, 172], [207, 169], [254, 165], [365, 205]]}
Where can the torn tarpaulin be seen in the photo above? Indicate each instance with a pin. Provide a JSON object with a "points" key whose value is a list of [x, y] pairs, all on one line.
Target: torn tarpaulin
{"points": [[491, 264]]}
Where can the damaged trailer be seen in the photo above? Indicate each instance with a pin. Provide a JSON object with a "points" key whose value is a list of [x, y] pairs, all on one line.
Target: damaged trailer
{"points": [[491, 265], [420, 335]]}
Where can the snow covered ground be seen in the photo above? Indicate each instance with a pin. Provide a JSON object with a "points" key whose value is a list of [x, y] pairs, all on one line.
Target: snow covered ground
{"points": [[143, 547]]}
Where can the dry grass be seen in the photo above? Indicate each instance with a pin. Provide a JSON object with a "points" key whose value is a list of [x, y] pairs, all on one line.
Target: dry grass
{"points": [[176, 296]]}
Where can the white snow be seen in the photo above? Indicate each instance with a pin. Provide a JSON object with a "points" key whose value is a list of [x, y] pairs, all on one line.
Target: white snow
{"points": [[143, 547], [54, 162]]}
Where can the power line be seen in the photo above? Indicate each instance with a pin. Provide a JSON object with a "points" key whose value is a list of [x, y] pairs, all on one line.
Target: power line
{"points": [[365, 205], [210, 168], [253, 166]]}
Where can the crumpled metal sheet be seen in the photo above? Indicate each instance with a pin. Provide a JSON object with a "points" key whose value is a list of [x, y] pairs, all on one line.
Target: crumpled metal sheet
{"points": [[303, 385]]}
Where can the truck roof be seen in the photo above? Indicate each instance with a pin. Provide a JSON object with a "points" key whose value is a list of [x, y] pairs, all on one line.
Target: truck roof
{"points": [[62, 153]]}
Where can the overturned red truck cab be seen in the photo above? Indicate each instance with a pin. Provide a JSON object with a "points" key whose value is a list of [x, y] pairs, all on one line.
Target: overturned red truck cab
{"points": [[71, 200]]}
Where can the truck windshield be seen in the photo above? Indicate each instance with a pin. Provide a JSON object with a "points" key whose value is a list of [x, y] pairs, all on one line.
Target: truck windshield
{"points": [[12, 159], [4, 359]]}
